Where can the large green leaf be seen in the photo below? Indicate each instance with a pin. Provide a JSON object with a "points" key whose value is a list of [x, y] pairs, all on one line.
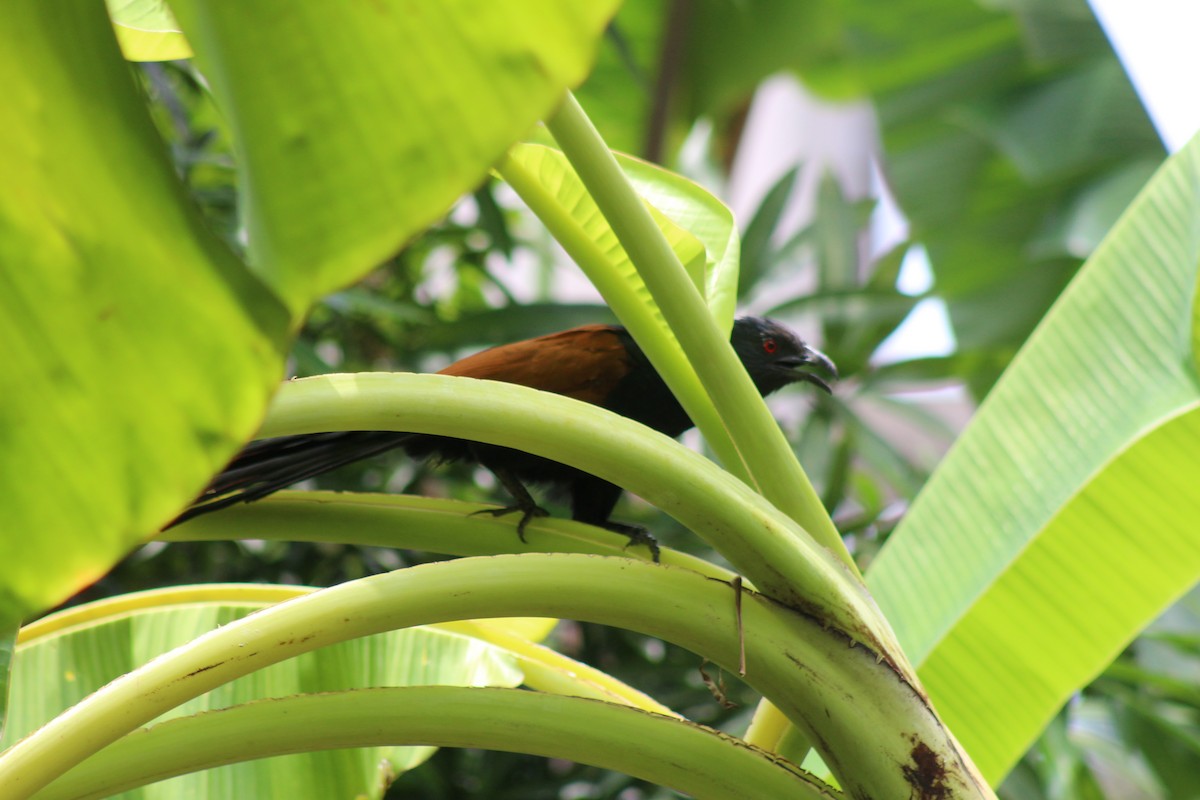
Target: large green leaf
{"points": [[138, 352], [1066, 517], [57, 670], [358, 125]]}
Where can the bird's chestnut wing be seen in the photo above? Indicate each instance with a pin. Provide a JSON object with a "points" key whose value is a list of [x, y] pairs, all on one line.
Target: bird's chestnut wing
{"points": [[585, 363]]}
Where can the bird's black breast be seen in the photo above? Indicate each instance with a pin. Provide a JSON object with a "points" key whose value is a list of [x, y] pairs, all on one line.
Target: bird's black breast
{"points": [[642, 395]]}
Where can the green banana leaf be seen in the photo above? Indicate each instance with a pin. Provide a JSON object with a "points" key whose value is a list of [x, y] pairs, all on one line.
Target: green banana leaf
{"points": [[359, 125], [139, 352], [1067, 517]]}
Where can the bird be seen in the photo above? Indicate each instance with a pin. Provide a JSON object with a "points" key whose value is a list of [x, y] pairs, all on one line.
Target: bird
{"points": [[599, 364]]}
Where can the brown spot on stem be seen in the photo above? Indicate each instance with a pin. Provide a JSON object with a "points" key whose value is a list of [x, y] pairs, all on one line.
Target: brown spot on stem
{"points": [[927, 774], [196, 672]]}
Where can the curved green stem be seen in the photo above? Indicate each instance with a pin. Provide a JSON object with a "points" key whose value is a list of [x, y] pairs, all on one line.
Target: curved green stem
{"points": [[874, 728], [544, 669], [431, 524], [669, 752]]}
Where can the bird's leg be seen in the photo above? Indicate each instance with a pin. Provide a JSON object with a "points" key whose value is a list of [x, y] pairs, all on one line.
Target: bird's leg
{"points": [[523, 501], [593, 500]]}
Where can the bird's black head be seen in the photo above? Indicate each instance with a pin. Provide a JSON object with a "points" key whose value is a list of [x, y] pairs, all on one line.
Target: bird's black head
{"points": [[775, 357]]}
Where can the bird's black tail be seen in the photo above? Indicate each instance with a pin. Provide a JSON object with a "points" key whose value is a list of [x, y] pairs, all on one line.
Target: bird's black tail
{"points": [[268, 465]]}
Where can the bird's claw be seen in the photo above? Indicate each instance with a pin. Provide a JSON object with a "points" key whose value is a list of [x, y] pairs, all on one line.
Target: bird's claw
{"points": [[527, 513], [637, 535]]}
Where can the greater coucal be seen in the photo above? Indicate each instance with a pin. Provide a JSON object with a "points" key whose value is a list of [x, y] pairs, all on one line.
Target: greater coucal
{"points": [[599, 364]]}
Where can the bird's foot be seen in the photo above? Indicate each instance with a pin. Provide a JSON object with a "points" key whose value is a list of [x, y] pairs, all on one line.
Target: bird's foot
{"points": [[637, 535], [527, 513]]}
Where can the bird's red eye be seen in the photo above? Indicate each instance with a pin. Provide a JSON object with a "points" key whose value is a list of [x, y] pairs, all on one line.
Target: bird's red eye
{"points": [[769, 346]]}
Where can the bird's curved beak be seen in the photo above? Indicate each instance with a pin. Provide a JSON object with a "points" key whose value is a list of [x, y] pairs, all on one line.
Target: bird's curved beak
{"points": [[812, 357]]}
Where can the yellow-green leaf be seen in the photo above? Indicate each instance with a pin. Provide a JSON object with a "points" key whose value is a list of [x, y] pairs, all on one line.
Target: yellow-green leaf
{"points": [[1066, 517], [358, 124], [138, 352]]}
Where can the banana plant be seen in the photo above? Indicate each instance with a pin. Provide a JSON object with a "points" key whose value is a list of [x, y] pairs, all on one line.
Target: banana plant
{"points": [[146, 351]]}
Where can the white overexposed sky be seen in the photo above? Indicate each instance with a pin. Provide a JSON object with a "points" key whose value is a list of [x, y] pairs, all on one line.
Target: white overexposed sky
{"points": [[1156, 42]]}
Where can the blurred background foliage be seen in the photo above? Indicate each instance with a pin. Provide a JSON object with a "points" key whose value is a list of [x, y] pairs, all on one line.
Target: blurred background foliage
{"points": [[1009, 138]]}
